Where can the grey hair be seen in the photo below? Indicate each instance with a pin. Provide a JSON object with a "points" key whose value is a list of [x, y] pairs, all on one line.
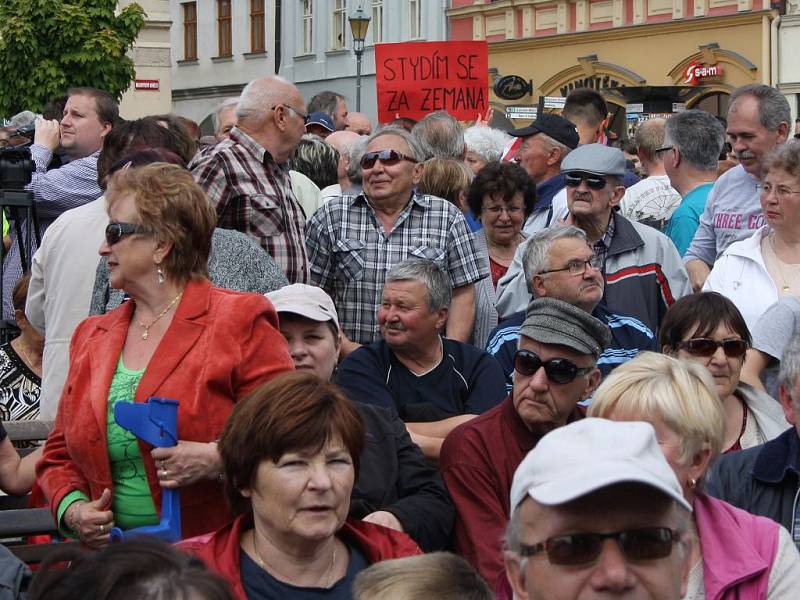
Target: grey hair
{"points": [[537, 249], [551, 143], [413, 143], [316, 160], [354, 173], [257, 98], [429, 274], [440, 135], [486, 142], [773, 108], [232, 101], [698, 136], [790, 366]]}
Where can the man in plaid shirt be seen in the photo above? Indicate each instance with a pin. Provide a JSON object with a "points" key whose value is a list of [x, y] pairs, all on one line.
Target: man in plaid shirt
{"points": [[246, 177], [352, 241]]}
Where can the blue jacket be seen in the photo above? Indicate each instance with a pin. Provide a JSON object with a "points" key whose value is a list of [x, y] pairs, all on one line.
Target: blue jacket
{"points": [[629, 336]]}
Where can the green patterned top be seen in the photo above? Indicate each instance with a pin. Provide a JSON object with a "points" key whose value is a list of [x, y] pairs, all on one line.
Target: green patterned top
{"points": [[132, 503]]}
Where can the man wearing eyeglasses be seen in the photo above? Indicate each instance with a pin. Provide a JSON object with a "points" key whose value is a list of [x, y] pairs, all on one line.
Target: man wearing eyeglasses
{"points": [[246, 177], [597, 512], [559, 263], [642, 269], [555, 368], [353, 240]]}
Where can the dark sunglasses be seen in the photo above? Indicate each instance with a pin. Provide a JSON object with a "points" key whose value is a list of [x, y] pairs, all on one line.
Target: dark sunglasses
{"points": [[648, 543], [116, 231], [558, 370], [706, 347], [387, 157], [595, 182]]}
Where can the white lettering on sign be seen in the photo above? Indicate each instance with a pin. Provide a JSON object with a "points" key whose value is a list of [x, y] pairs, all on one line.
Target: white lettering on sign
{"points": [[695, 72], [152, 85]]}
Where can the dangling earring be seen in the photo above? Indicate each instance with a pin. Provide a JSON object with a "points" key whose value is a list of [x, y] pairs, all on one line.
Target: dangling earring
{"points": [[692, 483], [161, 277]]}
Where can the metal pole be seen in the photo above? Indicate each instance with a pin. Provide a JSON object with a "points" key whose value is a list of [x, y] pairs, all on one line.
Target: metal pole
{"points": [[358, 81]]}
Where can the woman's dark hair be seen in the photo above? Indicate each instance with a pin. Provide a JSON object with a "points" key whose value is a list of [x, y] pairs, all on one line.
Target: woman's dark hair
{"points": [[698, 315], [20, 293], [293, 412], [504, 178], [141, 569]]}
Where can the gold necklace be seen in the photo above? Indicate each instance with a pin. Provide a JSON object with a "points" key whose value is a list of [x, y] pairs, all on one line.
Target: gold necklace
{"points": [[786, 288], [263, 565], [146, 328]]}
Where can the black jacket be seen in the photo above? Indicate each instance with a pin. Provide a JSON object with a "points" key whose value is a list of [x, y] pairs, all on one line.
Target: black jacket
{"points": [[395, 476], [762, 480]]}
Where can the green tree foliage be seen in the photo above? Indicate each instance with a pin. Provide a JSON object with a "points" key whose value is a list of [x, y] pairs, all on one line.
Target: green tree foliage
{"points": [[48, 46]]}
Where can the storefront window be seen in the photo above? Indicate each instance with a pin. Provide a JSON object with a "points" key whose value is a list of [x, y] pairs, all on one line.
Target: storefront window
{"points": [[715, 103]]}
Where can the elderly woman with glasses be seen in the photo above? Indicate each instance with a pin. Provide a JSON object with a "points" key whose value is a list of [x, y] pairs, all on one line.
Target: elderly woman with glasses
{"points": [[177, 337], [758, 271], [734, 554], [707, 328], [291, 455]]}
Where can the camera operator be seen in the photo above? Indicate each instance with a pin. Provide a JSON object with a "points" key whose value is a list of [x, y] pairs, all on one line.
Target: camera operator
{"points": [[89, 115]]}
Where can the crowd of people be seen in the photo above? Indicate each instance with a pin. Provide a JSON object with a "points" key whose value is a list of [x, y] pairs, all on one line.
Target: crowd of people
{"points": [[416, 359]]}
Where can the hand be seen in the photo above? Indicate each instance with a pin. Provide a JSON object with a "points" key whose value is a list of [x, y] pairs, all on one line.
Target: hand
{"points": [[484, 121], [698, 273], [47, 134], [186, 463], [346, 346], [91, 521], [385, 518]]}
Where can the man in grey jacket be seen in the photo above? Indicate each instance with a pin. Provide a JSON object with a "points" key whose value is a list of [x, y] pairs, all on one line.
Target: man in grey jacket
{"points": [[641, 267], [765, 480]]}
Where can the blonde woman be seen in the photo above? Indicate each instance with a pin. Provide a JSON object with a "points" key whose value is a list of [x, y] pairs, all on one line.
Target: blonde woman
{"points": [[735, 554]]}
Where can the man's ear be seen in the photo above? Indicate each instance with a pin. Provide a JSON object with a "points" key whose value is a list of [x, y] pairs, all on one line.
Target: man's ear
{"points": [[417, 173], [441, 318], [554, 156], [537, 286], [782, 131], [788, 405], [619, 192], [515, 575], [592, 382]]}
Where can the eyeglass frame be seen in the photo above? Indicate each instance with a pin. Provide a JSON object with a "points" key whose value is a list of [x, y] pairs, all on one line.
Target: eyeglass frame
{"points": [[124, 229], [529, 551], [663, 149], [775, 190], [596, 262], [545, 364], [392, 157], [303, 116], [593, 181], [684, 345]]}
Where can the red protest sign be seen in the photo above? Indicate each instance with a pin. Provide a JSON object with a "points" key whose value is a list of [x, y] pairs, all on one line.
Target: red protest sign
{"points": [[417, 78]]}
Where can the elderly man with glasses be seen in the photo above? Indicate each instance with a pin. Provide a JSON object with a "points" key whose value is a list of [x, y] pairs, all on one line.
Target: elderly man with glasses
{"points": [[246, 177], [555, 368], [597, 512], [353, 240], [642, 270]]}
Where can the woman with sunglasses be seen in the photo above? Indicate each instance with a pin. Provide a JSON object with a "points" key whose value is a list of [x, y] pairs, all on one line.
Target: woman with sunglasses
{"points": [[177, 337], [708, 329], [760, 270], [735, 555]]}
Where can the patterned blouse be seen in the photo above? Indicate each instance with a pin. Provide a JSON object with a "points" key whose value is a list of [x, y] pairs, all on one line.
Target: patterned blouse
{"points": [[19, 387]]}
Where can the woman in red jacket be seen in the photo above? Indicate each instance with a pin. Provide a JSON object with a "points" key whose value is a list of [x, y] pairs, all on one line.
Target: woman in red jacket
{"points": [[290, 453], [177, 337]]}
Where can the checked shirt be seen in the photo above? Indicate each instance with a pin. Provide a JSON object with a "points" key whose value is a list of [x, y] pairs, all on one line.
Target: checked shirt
{"points": [[253, 194], [349, 253]]}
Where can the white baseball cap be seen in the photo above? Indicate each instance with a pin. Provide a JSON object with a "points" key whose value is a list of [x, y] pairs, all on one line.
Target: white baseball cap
{"points": [[588, 455], [305, 300]]}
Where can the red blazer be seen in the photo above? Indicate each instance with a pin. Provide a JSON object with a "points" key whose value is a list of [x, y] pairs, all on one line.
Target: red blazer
{"points": [[219, 346]]}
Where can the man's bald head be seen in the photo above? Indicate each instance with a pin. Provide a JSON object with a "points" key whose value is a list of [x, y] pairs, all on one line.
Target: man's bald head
{"points": [[261, 96], [359, 123], [343, 141]]}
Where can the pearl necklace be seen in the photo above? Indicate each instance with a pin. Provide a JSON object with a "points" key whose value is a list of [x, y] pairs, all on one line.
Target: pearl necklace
{"points": [[146, 328]]}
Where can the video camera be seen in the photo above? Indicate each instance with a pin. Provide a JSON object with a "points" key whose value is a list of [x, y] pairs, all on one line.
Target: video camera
{"points": [[16, 164]]}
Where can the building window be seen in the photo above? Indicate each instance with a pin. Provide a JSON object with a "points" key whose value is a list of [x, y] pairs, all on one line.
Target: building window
{"points": [[307, 24], [224, 47], [257, 43], [415, 19], [189, 30], [339, 24], [377, 21]]}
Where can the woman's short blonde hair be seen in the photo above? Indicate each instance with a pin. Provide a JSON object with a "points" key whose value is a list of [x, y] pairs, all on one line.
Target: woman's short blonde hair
{"points": [[657, 387], [438, 575], [445, 178], [175, 209]]}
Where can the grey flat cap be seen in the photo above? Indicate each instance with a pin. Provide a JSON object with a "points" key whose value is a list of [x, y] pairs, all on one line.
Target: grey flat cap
{"points": [[552, 321], [595, 158]]}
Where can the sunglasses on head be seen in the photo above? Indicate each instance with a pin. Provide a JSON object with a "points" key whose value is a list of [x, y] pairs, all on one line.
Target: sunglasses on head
{"points": [[648, 543], [558, 370], [116, 231], [387, 157], [595, 182], [706, 347]]}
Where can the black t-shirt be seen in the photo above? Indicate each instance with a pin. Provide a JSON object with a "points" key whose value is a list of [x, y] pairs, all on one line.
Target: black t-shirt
{"points": [[260, 585]]}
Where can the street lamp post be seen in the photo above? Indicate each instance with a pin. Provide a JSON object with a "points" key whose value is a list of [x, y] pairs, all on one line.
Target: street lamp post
{"points": [[359, 23]]}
